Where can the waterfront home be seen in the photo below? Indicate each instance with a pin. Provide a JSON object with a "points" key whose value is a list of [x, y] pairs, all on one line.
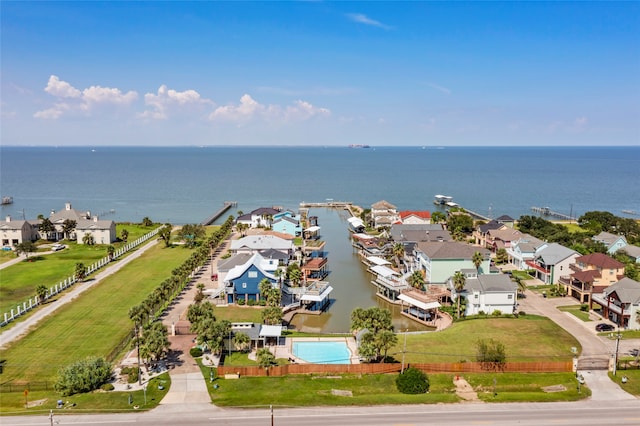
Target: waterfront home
{"points": [[389, 282], [384, 214], [506, 220], [420, 306], [440, 260], [287, 225], [419, 233], [242, 281], [487, 293], [14, 232], [496, 239], [523, 250], [551, 261], [262, 242], [409, 217], [620, 303], [480, 231], [592, 274], [259, 218], [102, 231], [259, 334], [369, 245], [612, 242]]}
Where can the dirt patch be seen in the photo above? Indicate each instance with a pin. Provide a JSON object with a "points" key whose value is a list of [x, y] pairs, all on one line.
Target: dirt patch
{"points": [[37, 402], [464, 390], [554, 388], [338, 392]]}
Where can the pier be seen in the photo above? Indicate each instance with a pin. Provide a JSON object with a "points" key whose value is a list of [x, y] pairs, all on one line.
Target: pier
{"points": [[225, 206], [546, 211], [477, 215], [330, 204]]}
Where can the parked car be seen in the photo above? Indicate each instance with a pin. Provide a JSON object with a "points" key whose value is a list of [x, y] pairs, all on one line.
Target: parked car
{"points": [[603, 326], [58, 247]]}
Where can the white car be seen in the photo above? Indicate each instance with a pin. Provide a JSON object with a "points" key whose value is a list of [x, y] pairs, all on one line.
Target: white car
{"points": [[58, 247]]}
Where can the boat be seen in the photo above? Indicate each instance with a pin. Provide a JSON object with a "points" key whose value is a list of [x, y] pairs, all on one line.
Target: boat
{"points": [[7, 200], [441, 200]]}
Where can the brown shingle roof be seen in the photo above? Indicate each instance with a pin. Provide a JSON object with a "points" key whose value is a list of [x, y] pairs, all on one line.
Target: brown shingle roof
{"points": [[600, 260]]}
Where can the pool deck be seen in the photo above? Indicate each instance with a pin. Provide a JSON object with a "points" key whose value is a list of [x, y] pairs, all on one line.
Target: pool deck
{"points": [[286, 350]]}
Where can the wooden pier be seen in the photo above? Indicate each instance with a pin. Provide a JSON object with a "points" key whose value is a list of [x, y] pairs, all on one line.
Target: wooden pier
{"points": [[546, 211], [225, 206], [330, 204]]}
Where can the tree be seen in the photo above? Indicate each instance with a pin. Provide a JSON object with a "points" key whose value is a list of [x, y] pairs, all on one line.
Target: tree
{"points": [[398, 253], [88, 239], [241, 342], [416, 280], [265, 358], [80, 272], [460, 223], [124, 235], [111, 250], [199, 296], [68, 226], [200, 311], [502, 256], [459, 281], [83, 376], [490, 353], [383, 341], [147, 222], [26, 247], [272, 315], [41, 292], [477, 260], [412, 381], [165, 235], [154, 342], [374, 319], [212, 333], [191, 234], [438, 217], [46, 227], [241, 227], [295, 274]]}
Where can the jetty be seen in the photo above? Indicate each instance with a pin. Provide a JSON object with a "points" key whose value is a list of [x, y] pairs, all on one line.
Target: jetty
{"points": [[546, 211], [225, 206]]}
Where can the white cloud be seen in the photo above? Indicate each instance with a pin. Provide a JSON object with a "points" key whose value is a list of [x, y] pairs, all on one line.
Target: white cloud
{"points": [[82, 101], [249, 109], [440, 88], [61, 89], [364, 19], [167, 99]]}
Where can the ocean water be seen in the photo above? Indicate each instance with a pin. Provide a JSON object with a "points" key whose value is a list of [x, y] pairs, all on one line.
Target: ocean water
{"points": [[187, 184]]}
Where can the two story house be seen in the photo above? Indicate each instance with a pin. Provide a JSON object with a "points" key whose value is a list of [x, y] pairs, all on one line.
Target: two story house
{"points": [[523, 250], [384, 214], [620, 303], [551, 261], [612, 242], [487, 293], [242, 281], [415, 217], [440, 260], [592, 274]]}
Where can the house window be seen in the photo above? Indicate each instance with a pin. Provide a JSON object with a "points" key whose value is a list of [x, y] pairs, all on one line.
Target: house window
{"points": [[253, 274], [510, 296], [475, 296], [244, 285]]}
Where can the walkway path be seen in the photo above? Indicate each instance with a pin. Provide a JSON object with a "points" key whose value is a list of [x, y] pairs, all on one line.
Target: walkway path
{"points": [[21, 328]]}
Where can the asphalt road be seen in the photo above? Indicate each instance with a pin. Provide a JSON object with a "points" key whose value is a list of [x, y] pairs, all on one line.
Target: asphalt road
{"points": [[583, 413]]}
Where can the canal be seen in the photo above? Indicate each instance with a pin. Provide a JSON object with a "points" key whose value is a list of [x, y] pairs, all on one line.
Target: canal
{"points": [[350, 280]]}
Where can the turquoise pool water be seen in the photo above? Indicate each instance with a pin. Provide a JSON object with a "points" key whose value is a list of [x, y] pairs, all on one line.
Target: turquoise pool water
{"points": [[322, 352]]}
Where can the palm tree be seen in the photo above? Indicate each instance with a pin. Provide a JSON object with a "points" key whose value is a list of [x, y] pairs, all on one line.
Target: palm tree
{"points": [[241, 342], [263, 287], [46, 227], [398, 253], [88, 239], [110, 252], [416, 280], [295, 276], [459, 280], [477, 260], [124, 235], [41, 292], [68, 226], [80, 271]]}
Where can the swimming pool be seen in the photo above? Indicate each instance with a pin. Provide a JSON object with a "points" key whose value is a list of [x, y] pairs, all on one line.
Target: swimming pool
{"points": [[321, 352]]}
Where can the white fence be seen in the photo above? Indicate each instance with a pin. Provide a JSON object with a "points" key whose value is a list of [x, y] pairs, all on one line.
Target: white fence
{"points": [[24, 307]]}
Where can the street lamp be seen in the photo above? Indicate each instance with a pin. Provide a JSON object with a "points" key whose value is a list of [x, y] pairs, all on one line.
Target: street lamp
{"points": [[615, 359], [138, 351]]}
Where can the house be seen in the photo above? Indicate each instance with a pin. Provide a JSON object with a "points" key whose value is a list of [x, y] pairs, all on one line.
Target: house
{"points": [[242, 281], [506, 220], [612, 242], [620, 303], [523, 250], [487, 293], [440, 260], [259, 243], [592, 274], [287, 225], [551, 261], [415, 217], [14, 232], [259, 334], [480, 232], [102, 231], [384, 214], [356, 224], [496, 239], [632, 251], [418, 233], [259, 218]]}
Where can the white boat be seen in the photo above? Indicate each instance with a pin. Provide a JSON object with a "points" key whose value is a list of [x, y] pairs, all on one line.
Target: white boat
{"points": [[442, 199], [7, 200]]}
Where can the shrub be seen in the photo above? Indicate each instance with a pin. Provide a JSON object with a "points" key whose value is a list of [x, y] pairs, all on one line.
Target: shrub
{"points": [[195, 352], [496, 313], [251, 302], [131, 373], [522, 313], [240, 302], [412, 381], [584, 307], [83, 376], [107, 387]]}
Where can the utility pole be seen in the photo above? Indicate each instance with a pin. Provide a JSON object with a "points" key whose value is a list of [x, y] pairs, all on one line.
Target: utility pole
{"points": [[404, 349], [138, 351], [615, 359]]}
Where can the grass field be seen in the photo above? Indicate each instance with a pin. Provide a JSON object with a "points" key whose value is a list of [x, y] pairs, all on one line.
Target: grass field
{"points": [[18, 282], [575, 311], [94, 323], [526, 339]]}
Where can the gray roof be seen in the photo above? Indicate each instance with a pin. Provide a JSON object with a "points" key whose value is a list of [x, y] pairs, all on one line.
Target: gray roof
{"points": [[89, 225], [407, 232], [528, 243], [12, 224], [490, 283], [555, 253], [489, 226], [628, 290], [631, 250], [225, 265], [608, 238], [450, 250], [262, 242], [505, 218]]}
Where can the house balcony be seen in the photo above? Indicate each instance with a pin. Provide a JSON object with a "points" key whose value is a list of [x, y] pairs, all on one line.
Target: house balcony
{"points": [[537, 267]]}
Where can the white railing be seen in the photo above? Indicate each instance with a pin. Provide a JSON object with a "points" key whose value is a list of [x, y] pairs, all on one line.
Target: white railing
{"points": [[24, 307]]}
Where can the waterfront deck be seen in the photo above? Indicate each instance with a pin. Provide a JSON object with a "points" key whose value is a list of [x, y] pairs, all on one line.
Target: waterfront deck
{"points": [[546, 211]]}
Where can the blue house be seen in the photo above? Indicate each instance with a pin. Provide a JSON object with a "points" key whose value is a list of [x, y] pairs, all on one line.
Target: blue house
{"points": [[242, 281]]}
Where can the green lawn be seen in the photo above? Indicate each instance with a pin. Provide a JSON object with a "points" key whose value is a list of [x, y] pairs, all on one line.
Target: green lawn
{"points": [[501, 387], [575, 311], [633, 380], [94, 323], [18, 282], [239, 313], [12, 403], [527, 338], [521, 274]]}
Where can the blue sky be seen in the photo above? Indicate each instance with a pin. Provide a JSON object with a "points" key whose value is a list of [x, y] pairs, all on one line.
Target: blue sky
{"points": [[320, 73]]}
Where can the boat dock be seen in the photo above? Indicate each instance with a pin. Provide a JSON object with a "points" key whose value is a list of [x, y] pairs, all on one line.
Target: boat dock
{"points": [[225, 206], [330, 204], [546, 211]]}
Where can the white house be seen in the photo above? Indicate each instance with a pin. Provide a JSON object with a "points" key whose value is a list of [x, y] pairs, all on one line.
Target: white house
{"points": [[488, 293], [259, 243], [14, 232], [551, 261], [384, 214], [523, 250]]}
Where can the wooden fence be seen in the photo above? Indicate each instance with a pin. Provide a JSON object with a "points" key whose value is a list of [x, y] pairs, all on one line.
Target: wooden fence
{"points": [[462, 367]]}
